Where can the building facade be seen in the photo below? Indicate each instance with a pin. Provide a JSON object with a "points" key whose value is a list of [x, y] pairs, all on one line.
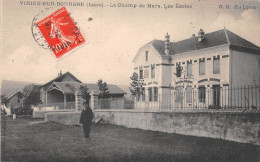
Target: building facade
{"points": [[197, 72], [63, 93], [15, 100]]}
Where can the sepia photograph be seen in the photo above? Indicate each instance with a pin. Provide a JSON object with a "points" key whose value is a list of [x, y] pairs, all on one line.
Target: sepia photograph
{"points": [[130, 80]]}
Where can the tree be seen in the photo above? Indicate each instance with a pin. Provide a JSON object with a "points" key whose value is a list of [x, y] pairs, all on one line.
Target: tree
{"points": [[179, 70], [31, 95], [4, 100], [103, 89], [85, 94], [135, 83]]}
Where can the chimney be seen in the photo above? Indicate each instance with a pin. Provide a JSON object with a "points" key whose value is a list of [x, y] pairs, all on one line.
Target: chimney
{"points": [[60, 73], [167, 44], [201, 34]]}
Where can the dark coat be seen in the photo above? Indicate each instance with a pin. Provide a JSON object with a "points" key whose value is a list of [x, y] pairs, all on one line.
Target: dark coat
{"points": [[86, 116]]}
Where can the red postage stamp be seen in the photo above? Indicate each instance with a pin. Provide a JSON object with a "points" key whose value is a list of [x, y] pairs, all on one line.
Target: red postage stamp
{"points": [[61, 32]]}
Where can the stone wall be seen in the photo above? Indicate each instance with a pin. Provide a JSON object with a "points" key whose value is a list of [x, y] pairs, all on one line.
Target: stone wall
{"points": [[68, 118], [41, 114], [235, 126]]}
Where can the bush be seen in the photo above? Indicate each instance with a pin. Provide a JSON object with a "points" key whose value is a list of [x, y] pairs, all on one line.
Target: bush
{"points": [[23, 111]]}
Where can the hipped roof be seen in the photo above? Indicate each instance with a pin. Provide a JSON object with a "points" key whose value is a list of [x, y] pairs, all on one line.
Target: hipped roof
{"points": [[213, 39]]}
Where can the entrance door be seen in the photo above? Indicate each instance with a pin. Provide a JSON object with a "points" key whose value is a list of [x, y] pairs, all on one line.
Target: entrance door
{"points": [[216, 95]]}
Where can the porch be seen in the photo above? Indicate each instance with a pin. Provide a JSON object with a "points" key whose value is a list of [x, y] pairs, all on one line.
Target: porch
{"points": [[59, 96]]}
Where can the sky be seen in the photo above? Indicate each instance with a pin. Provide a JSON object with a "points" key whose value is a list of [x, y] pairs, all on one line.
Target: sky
{"points": [[114, 36]]}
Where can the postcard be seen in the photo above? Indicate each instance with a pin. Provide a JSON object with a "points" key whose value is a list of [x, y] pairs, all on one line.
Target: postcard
{"points": [[182, 69]]}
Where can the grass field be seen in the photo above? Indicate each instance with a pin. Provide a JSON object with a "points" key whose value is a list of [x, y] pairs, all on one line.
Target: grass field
{"points": [[23, 141]]}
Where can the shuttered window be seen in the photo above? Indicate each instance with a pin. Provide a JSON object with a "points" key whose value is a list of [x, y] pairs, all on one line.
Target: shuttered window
{"points": [[202, 67], [189, 69], [216, 66]]}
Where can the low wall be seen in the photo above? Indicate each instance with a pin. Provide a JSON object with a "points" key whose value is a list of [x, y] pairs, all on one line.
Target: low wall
{"points": [[235, 126], [68, 118], [41, 114]]}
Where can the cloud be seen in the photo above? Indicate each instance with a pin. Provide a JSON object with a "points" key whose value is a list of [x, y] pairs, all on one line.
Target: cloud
{"points": [[250, 15], [114, 37], [246, 25], [25, 63]]}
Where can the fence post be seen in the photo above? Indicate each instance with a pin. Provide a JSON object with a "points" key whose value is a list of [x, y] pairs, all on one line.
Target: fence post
{"points": [[93, 100], [78, 101], [248, 97]]}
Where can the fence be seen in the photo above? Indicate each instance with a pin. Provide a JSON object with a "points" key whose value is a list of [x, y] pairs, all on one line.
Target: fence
{"points": [[111, 103], [60, 105], [215, 97]]}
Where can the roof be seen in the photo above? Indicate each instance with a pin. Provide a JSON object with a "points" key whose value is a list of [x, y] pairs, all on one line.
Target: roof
{"points": [[113, 89], [14, 94], [59, 79], [213, 39], [72, 87]]}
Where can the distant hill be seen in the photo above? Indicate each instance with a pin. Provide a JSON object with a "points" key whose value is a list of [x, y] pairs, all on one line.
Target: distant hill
{"points": [[9, 87]]}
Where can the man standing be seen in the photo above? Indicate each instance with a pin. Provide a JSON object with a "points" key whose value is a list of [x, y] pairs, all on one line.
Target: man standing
{"points": [[86, 119]]}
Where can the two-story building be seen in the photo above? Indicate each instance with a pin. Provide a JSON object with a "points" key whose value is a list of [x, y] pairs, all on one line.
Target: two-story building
{"points": [[198, 72]]}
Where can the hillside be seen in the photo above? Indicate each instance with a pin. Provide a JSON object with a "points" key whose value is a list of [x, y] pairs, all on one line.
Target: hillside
{"points": [[9, 87]]}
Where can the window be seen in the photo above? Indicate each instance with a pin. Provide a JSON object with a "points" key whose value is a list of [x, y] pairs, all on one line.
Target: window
{"points": [[146, 56], [155, 90], [18, 100], [202, 67], [189, 68], [216, 65], [202, 93], [188, 94], [141, 74], [138, 94], [143, 94], [153, 71], [178, 69], [150, 94]]}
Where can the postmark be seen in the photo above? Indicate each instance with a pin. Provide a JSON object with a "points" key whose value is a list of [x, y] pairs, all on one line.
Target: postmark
{"points": [[57, 32]]}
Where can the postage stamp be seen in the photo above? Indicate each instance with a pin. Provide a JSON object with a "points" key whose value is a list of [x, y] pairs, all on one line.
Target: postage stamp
{"points": [[60, 32]]}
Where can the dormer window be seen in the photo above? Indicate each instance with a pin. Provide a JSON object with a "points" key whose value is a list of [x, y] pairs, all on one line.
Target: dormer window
{"points": [[146, 56]]}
